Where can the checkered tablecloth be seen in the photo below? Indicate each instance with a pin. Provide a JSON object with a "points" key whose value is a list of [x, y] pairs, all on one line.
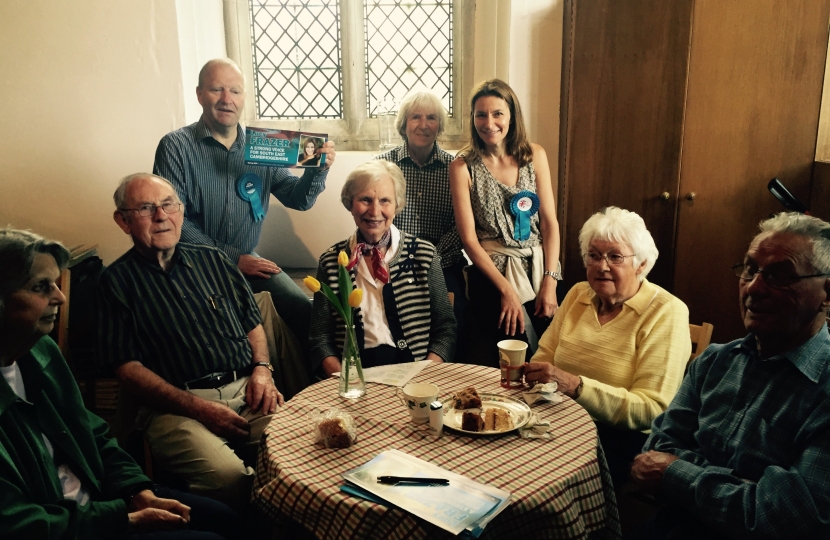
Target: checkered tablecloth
{"points": [[561, 487]]}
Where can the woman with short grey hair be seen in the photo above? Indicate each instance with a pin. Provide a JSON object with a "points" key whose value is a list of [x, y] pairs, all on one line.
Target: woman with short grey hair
{"points": [[618, 344], [421, 120], [62, 475], [405, 314]]}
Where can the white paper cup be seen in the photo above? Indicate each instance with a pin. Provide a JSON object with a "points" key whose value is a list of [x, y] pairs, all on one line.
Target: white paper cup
{"points": [[512, 353], [416, 397]]}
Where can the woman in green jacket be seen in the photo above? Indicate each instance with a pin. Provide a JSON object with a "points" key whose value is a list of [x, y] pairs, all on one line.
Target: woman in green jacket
{"points": [[60, 475]]}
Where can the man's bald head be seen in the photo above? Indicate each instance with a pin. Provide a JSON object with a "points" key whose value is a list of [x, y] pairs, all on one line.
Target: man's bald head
{"points": [[211, 64]]}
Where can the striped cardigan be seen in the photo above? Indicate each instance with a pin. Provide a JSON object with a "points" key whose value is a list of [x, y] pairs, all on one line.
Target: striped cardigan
{"points": [[415, 300]]}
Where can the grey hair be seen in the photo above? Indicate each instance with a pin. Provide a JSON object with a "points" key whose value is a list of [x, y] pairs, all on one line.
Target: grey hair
{"points": [[809, 227], [614, 224], [217, 62], [120, 194], [17, 252], [426, 99], [373, 171]]}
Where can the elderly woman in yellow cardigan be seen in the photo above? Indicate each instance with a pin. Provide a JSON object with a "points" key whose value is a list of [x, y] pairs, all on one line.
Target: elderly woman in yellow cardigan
{"points": [[618, 344]]}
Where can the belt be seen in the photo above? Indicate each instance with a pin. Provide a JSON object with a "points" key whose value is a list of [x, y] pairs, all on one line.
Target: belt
{"points": [[216, 380]]}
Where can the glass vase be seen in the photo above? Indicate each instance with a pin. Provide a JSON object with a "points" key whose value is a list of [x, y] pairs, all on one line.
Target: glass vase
{"points": [[352, 384]]}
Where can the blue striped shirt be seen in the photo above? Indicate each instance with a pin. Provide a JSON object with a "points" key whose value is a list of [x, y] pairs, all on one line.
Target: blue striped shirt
{"points": [[737, 417], [183, 324], [205, 174]]}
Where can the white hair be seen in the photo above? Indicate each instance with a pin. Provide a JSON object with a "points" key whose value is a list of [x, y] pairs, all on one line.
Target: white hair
{"points": [[425, 99], [614, 224], [373, 171], [120, 195], [812, 228]]}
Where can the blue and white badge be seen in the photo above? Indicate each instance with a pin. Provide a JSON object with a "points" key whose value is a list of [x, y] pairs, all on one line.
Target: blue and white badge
{"points": [[524, 205], [248, 188]]}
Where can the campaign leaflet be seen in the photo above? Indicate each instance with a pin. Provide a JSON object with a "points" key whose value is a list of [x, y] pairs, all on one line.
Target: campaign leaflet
{"points": [[282, 148]]}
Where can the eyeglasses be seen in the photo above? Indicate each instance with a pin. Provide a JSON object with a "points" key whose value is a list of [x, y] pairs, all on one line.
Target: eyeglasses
{"points": [[612, 258], [147, 210], [773, 278]]}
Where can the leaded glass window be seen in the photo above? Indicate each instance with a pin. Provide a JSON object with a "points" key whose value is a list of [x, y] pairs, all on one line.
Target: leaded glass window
{"points": [[296, 52], [297, 48], [408, 45]]}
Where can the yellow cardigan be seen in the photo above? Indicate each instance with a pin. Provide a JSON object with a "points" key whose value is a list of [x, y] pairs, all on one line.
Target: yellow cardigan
{"points": [[633, 365]]}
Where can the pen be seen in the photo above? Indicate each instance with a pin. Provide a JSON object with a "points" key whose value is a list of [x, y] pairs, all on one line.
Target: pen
{"points": [[412, 480]]}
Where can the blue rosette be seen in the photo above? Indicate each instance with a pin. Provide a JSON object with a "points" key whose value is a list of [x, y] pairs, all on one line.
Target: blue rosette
{"points": [[248, 187], [523, 205]]}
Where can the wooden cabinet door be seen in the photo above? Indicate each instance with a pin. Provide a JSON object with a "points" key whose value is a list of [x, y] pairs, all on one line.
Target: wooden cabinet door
{"points": [[624, 81], [754, 92]]}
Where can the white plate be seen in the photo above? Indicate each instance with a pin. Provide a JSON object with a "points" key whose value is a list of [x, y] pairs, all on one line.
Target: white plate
{"points": [[518, 410]]}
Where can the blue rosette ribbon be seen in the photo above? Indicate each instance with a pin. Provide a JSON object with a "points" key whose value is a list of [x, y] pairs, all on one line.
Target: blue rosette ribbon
{"points": [[524, 205], [248, 188]]}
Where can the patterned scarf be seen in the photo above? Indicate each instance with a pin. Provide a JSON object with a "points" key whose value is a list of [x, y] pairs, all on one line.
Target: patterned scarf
{"points": [[377, 265]]}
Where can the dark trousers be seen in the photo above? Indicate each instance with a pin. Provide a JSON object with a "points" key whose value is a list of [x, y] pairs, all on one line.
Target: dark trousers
{"points": [[482, 316], [620, 447], [454, 278], [293, 306], [209, 519]]}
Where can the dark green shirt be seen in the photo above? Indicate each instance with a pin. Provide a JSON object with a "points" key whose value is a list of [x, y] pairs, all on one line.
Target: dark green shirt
{"points": [[32, 504], [183, 324]]}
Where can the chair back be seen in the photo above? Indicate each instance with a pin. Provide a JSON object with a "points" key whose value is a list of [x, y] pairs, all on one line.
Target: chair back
{"points": [[701, 336]]}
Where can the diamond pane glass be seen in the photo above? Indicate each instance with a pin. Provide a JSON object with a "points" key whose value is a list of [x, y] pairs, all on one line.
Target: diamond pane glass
{"points": [[296, 51], [408, 45]]}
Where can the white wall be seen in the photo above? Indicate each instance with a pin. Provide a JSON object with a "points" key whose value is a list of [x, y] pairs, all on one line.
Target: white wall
{"points": [[88, 89], [536, 70], [201, 38]]}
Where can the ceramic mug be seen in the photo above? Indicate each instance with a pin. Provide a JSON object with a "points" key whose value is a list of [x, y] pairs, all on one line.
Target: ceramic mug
{"points": [[416, 397], [512, 354]]}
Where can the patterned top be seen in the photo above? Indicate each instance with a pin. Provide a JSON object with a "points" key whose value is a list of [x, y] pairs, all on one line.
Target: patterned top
{"points": [[204, 173], [631, 366], [415, 301], [183, 324], [737, 418], [428, 212], [490, 200]]}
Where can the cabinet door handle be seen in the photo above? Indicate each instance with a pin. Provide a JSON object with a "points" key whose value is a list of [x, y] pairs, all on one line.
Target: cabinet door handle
{"points": [[665, 195], [691, 196]]}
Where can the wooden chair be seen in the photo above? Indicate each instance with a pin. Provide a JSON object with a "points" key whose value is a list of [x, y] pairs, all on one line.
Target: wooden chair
{"points": [[701, 336]]}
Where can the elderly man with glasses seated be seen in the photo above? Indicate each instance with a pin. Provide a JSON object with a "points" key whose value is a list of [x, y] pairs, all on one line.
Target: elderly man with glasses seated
{"points": [[618, 344], [743, 450], [182, 331]]}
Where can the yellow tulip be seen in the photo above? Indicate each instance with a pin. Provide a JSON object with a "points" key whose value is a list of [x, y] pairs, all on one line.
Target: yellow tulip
{"points": [[312, 284], [342, 259], [356, 297]]}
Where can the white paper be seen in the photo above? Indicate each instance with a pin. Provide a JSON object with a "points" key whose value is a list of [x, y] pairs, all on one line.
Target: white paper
{"points": [[463, 504], [394, 374]]}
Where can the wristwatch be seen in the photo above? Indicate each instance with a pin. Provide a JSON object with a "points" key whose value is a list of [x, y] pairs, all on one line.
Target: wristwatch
{"points": [[555, 275], [266, 364], [578, 391]]}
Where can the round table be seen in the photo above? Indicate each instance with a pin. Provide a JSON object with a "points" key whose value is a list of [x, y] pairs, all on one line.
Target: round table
{"points": [[560, 486]]}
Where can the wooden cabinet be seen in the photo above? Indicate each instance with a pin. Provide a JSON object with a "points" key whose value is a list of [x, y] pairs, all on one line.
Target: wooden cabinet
{"points": [[682, 111]]}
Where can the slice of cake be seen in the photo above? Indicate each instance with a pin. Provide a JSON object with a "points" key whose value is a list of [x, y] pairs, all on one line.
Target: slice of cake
{"points": [[471, 421], [503, 420], [467, 399], [497, 420]]}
